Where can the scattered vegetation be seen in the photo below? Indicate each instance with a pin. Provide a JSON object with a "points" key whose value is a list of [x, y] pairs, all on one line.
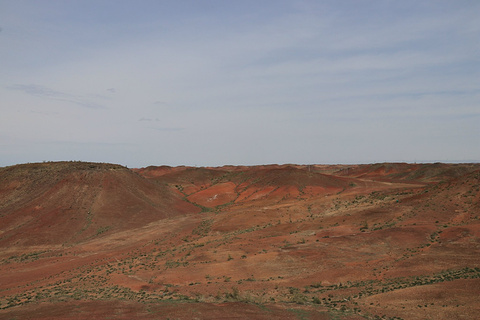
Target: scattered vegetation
{"points": [[339, 251]]}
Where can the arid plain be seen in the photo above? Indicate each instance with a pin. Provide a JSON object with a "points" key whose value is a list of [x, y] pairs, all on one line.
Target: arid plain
{"points": [[375, 241]]}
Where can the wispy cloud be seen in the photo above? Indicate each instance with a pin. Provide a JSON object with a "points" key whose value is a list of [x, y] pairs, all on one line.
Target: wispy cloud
{"points": [[246, 82], [167, 129], [48, 93]]}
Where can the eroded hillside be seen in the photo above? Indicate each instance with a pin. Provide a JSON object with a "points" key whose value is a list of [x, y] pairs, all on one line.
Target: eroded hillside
{"points": [[307, 242]]}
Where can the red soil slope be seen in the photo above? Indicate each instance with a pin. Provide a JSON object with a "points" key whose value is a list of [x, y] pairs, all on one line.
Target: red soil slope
{"points": [[213, 187], [391, 241], [70, 202], [426, 172]]}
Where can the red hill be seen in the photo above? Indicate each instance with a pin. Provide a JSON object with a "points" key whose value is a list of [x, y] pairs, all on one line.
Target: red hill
{"points": [[380, 241], [66, 202]]}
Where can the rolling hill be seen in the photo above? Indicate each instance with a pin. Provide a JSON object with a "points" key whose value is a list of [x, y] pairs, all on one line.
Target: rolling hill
{"points": [[391, 241]]}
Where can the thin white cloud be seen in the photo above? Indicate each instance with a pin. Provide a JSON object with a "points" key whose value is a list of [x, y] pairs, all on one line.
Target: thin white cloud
{"points": [[47, 93]]}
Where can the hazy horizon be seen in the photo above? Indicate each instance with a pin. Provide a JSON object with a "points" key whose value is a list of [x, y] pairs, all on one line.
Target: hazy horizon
{"points": [[253, 165], [211, 83]]}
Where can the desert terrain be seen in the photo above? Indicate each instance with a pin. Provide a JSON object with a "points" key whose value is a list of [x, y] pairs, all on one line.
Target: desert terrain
{"points": [[375, 241]]}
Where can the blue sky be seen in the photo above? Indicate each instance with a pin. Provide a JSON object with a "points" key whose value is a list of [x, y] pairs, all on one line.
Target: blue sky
{"points": [[210, 83]]}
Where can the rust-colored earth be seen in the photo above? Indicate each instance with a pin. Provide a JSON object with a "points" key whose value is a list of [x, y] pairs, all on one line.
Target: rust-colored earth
{"points": [[381, 241]]}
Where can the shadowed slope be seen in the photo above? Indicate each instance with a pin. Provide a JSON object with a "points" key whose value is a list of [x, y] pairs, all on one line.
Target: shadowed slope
{"points": [[70, 202]]}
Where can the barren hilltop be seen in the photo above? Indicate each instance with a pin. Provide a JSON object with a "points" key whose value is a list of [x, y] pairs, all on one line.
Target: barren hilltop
{"points": [[376, 241]]}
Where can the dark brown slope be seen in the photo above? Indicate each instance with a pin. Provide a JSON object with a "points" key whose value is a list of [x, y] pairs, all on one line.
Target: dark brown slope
{"points": [[67, 202]]}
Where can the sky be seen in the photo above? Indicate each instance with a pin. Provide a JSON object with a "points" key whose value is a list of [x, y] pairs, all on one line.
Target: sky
{"points": [[215, 82]]}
